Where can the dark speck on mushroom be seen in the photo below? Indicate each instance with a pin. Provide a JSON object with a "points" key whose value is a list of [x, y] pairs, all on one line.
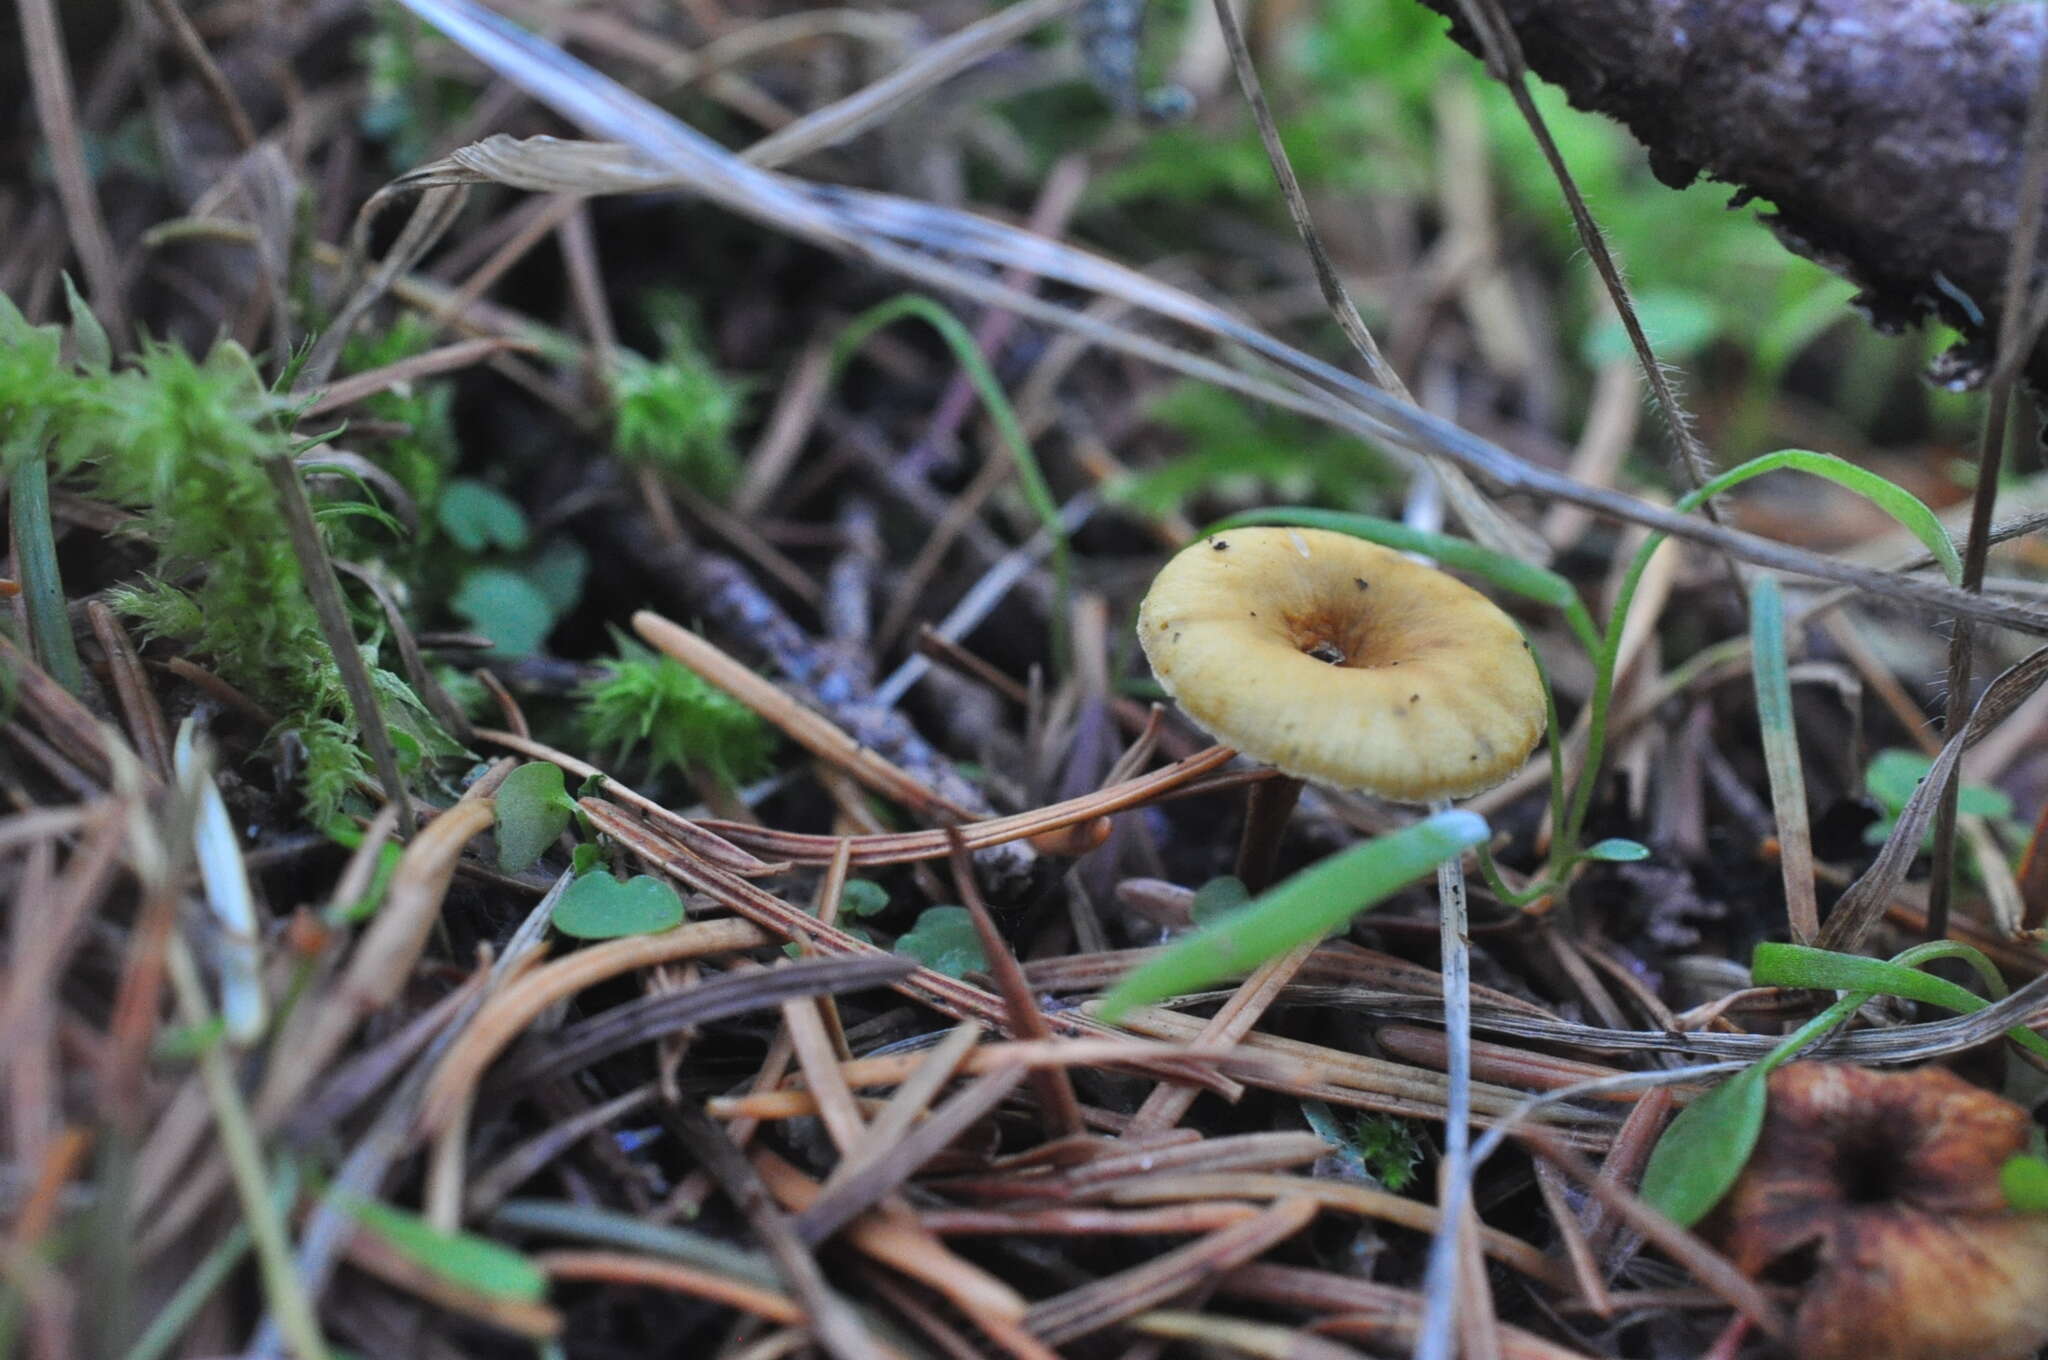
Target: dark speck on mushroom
{"points": [[1415, 698], [1220, 544], [1360, 582]]}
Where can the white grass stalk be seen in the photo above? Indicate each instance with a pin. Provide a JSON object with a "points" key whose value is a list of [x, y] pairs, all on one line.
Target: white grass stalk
{"points": [[1440, 1284]]}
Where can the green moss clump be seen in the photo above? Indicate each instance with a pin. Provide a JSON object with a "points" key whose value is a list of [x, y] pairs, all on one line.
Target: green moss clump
{"points": [[683, 722]]}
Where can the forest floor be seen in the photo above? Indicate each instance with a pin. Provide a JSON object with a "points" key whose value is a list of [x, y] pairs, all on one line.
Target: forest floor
{"points": [[577, 764]]}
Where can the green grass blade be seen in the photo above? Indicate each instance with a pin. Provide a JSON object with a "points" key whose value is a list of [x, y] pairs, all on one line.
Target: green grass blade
{"points": [[1768, 668], [35, 548], [1298, 911], [1030, 477], [1789, 965], [1902, 505]]}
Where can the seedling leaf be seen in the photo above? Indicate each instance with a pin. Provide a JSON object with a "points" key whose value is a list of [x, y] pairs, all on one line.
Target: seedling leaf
{"points": [[480, 518], [1617, 850], [945, 941], [599, 907], [1705, 1148], [533, 807]]}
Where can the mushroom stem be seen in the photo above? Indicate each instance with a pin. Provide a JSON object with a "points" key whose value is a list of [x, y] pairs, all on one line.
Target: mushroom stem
{"points": [[1440, 1284], [1267, 806]]}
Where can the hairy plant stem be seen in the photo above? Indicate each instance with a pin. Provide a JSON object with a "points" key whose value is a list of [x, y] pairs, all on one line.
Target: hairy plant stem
{"points": [[324, 587], [35, 555]]}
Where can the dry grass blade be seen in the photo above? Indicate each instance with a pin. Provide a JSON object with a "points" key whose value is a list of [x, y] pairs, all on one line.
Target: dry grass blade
{"points": [[1252, 1338], [837, 1329], [814, 733], [869, 1181], [737, 993], [383, 958], [447, 359], [1348, 1306], [508, 1013], [1165, 1186], [1091, 1307]]}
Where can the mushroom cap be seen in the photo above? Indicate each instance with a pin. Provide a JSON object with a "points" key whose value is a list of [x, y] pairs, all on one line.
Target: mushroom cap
{"points": [[1338, 661]]}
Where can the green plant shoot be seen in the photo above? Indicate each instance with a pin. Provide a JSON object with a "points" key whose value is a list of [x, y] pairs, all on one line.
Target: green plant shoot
{"points": [[1299, 911]]}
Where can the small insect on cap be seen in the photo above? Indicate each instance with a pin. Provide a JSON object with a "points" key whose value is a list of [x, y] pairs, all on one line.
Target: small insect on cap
{"points": [[1339, 661]]}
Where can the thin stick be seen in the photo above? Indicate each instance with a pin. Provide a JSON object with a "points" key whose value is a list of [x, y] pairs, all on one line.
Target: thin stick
{"points": [[325, 589], [1990, 458]]}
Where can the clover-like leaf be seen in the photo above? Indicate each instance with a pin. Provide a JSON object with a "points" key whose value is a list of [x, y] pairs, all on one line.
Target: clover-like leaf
{"points": [[599, 907], [863, 897], [945, 941], [479, 517]]}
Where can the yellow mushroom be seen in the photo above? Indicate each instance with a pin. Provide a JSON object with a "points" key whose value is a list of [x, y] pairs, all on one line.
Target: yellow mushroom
{"points": [[1341, 662]]}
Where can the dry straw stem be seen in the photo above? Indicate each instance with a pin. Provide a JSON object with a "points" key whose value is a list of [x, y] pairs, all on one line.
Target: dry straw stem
{"points": [[1360, 1200], [894, 1238], [681, 829], [506, 1016], [815, 733], [958, 999], [1103, 1303], [383, 958], [902, 847], [1127, 1053], [1355, 1080]]}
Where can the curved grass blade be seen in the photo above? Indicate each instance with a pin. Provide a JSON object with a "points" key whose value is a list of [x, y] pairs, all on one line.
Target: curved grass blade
{"points": [[1902, 505], [1037, 491], [1791, 965], [1300, 910]]}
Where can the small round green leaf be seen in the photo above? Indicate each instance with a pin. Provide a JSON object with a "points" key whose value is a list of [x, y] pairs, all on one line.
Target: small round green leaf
{"points": [[506, 608], [599, 907], [479, 517], [945, 941], [862, 897], [533, 808]]}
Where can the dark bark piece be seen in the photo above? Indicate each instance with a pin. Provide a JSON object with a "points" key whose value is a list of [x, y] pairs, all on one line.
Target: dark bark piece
{"points": [[1886, 133]]}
